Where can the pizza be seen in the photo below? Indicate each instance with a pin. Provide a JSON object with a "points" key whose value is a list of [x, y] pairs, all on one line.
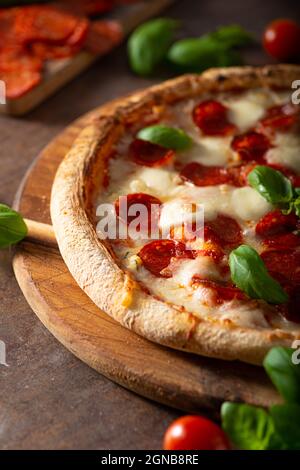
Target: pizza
{"points": [[177, 289]]}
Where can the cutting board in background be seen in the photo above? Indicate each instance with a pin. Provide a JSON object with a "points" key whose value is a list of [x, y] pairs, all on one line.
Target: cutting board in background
{"points": [[58, 73]]}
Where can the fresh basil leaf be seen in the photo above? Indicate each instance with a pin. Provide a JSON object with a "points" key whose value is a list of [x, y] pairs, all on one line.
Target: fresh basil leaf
{"points": [[296, 206], [198, 54], [12, 226], [284, 374], [286, 420], [271, 184], [297, 191], [250, 274], [230, 57], [249, 427], [168, 137], [149, 43], [233, 36]]}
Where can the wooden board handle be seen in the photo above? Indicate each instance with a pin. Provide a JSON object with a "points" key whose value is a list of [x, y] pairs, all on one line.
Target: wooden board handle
{"points": [[40, 233]]}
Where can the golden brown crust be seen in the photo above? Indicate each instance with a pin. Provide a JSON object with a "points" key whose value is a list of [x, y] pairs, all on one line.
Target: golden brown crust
{"points": [[90, 261]]}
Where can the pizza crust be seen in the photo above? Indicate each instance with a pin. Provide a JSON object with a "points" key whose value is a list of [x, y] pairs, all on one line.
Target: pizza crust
{"points": [[91, 261]]}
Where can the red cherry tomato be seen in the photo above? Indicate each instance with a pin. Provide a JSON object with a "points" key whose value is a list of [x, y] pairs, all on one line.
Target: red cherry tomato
{"points": [[195, 433], [281, 39]]}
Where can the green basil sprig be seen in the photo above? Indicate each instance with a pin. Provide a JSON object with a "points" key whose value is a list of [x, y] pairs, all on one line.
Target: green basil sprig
{"points": [[149, 43], [249, 427], [12, 226], [168, 137], [249, 273], [286, 419], [253, 428], [233, 36], [275, 188], [284, 374], [198, 54], [211, 50]]}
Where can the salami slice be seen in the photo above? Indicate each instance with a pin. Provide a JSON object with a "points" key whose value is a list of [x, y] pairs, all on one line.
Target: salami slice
{"points": [[283, 241], [276, 223], [212, 245], [223, 292], [103, 36], [227, 230], [46, 52], [291, 310], [7, 21], [251, 146], [16, 59], [74, 43], [20, 82], [283, 264], [202, 175], [148, 154], [89, 7], [150, 203], [156, 255], [212, 118], [282, 117], [44, 23]]}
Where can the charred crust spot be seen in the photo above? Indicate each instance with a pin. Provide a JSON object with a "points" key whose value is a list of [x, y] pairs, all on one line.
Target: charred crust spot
{"points": [[221, 78]]}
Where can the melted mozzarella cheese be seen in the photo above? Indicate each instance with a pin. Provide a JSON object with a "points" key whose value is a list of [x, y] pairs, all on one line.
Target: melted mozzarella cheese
{"points": [[245, 113], [209, 151], [158, 180], [286, 151], [177, 212], [244, 204], [248, 204], [203, 266], [246, 109]]}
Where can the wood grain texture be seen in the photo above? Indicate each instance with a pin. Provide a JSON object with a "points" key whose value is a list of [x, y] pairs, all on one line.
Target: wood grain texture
{"points": [[178, 379], [59, 72]]}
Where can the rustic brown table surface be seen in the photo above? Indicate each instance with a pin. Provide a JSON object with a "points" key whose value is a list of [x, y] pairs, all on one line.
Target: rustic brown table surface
{"points": [[48, 398]]}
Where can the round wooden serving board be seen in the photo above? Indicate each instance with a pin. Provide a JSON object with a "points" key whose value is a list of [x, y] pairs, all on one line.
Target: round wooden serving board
{"points": [[179, 379]]}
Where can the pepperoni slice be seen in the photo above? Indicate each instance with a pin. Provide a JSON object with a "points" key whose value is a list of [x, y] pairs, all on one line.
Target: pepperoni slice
{"points": [[276, 223], [79, 34], [90, 7], [211, 117], [151, 203], [18, 83], [15, 58], [251, 146], [72, 45], [52, 52], [223, 292], [7, 21], [156, 255], [103, 36], [283, 264], [228, 231], [239, 173], [291, 310], [282, 242], [44, 23], [148, 154], [202, 175], [281, 117]]}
